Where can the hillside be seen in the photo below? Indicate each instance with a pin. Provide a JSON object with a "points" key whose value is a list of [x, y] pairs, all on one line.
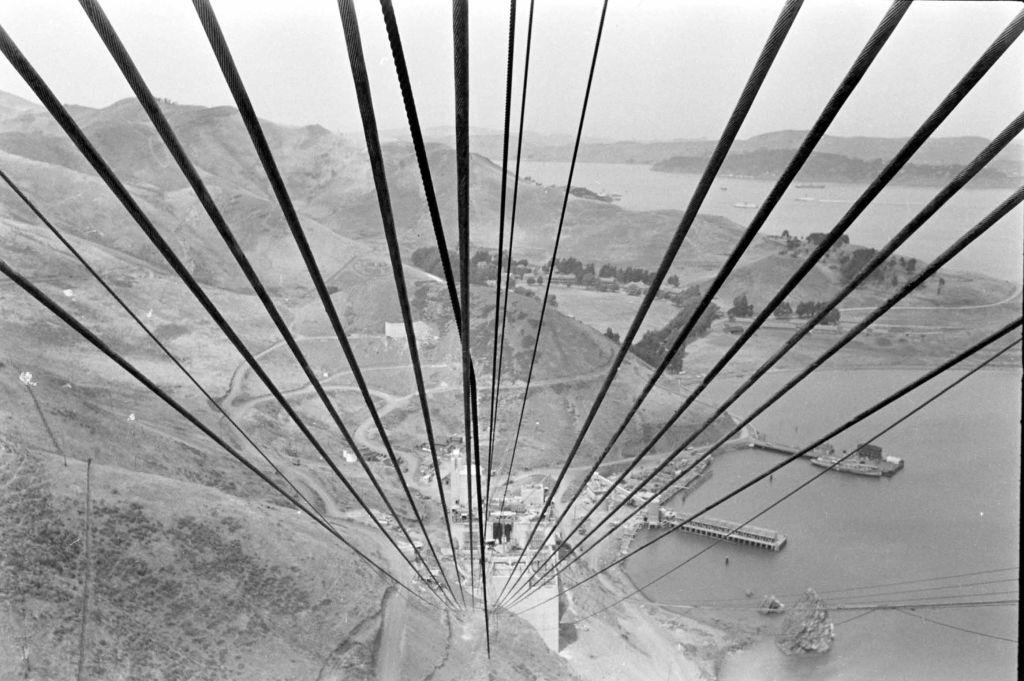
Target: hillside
{"points": [[759, 277], [217, 588]]}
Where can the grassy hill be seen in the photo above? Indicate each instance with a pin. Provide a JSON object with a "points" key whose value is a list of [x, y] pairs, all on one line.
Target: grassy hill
{"points": [[759, 276], [216, 588], [200, 590]]}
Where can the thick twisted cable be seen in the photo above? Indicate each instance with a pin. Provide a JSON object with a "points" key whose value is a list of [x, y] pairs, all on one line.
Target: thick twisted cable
{"points": [[124, 306], [832, 108], [942, 368], [492, 413], [962, 178], [159, 120], [767, 56], [460, 39], [416, 132], [69, 319], [63, 118], [823, 471], [511, 241], [558, 231], [969, 237], [360, 79]]}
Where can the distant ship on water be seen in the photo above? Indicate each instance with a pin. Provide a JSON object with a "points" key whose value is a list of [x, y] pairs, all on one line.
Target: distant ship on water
{"points": [[809, 185], [868, 460], [744, 204]]}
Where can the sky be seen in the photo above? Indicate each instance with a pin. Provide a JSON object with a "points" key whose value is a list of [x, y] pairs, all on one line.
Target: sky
{"points": [[666, 69]]}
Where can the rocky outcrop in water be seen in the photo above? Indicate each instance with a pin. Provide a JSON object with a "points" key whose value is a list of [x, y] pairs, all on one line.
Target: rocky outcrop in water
{"points": [[807, 628]]}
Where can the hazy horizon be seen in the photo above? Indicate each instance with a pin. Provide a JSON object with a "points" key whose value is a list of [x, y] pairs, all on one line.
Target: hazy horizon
{"points": [[639, 94]]}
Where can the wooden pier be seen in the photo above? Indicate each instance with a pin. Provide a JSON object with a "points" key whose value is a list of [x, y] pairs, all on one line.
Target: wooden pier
{"points": [[735, 532], [758, 441]]}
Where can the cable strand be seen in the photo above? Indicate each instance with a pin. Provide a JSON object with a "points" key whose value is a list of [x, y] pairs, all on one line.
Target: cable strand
{"points": [[758, 74]]}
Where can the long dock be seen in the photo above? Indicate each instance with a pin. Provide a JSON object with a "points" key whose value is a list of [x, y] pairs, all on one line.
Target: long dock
{"points": [[769, 446], [758, 441], [734, 532]]}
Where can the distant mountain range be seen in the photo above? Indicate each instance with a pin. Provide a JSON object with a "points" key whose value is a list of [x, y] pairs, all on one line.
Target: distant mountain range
{"points": [[769, 163], [836, 159]]}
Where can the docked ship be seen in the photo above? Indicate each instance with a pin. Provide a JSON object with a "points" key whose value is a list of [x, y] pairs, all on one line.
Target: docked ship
{"points": [[866, 460]]}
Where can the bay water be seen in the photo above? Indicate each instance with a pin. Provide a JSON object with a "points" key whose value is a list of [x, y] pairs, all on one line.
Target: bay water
{"points": [[954, 510], [802, 211]]}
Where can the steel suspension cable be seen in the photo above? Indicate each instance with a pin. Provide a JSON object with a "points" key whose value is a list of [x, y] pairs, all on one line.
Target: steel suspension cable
{"points": [[858, 606], [914, 143], [969, 237], [85, 147], [160, 122], [828, 114], [561, 223], [959, 91], [837, 603], [963, 87], [910, 387], [745, 603], [767, 56], [923, 589], [360, 79], [70, 320], [501, 238], [124, 306], [869, 608], [460, 34], [953, 626], [844, 592], [954, 605], [511, 238], [222, 53], [405, 85], [402, 71], [825, 470], [877, 260], [398, 54]]}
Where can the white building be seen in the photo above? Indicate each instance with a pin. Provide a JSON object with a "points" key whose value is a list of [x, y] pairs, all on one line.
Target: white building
{"points": [[463, 482], [425, 333]]}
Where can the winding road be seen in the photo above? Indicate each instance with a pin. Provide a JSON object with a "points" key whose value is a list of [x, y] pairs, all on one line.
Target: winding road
{"points": [[898, 308]]}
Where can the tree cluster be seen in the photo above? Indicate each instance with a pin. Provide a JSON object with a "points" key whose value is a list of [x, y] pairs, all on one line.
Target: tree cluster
{"points": [[809, 308], [655, 344], [741, 307], [624, 275]]}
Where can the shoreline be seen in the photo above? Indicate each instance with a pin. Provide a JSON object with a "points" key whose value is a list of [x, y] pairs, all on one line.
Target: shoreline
{"points": [[738, 630]]}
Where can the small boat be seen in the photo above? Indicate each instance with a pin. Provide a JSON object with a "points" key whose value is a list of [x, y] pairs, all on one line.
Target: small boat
{"points": [[744, 204]]}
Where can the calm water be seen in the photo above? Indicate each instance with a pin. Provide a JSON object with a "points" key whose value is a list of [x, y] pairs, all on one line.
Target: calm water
{"points": [[998, 253], [953, 510]]}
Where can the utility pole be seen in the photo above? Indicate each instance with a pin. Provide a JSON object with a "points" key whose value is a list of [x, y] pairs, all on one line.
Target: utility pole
{"points": [[80, 675]]}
